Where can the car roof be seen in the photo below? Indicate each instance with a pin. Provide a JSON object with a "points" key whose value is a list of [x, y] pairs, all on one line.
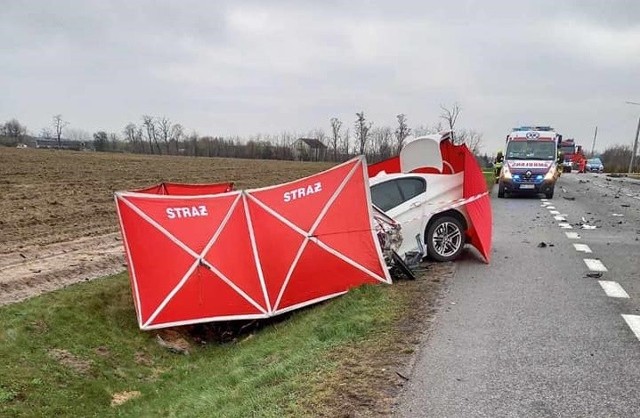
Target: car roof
{"points": [[382, 177]]}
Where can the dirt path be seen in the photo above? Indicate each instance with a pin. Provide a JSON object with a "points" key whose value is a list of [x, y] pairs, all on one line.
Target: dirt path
{"points": [[38, 269]]}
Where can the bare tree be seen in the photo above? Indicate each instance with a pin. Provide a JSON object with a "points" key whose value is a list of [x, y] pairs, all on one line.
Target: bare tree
{"points": [[163, 126], [471, 138], [382, 137], [58, 125], [177, 134], [151, 131], [336, 125], [46, 133], [422, 130], [450, 116], [402, 132], [363, 129], [133, 135], [345, 144]]}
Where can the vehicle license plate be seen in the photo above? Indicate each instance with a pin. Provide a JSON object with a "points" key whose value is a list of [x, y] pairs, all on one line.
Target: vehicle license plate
{"points": [[527, 186]]}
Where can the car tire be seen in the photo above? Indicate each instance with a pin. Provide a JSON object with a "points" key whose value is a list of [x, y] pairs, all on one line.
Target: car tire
{"points": [[500, 190], [445, 238], [549, 194]]}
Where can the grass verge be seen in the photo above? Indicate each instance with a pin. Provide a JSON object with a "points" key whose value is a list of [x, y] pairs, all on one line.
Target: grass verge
{"points": [[489, 177], [79, 352]]}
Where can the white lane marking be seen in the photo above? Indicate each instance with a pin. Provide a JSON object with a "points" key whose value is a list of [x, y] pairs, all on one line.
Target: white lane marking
{"points": [[595, 265], [583, 248], [554, 212], [551, 207], [560, 218], [544, 200], [572, 235], [629, 194], [613, 289], [636, 197], [565, 225], [634, 323]]}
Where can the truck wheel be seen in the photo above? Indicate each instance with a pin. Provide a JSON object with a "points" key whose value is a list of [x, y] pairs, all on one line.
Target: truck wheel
{"points": [[445, 239], [549, 194], [500, 190]]}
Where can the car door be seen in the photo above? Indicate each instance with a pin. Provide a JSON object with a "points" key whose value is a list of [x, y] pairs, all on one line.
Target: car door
{"points": [[403, 199]]}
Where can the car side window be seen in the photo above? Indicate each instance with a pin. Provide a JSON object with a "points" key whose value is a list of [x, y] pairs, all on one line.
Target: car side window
{"points": [[386, 195], [411, 187]]}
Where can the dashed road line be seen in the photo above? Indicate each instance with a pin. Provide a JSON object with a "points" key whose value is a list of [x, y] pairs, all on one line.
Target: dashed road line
{"points": [[634, 323], [544, 200], [572, 235], [582, 248], [554, 212], [560, 218], [551, 207], [565, 225], [595, 265], [613, 289]]}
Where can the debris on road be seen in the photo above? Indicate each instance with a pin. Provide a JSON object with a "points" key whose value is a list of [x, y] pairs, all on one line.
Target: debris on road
{"points": [[542, 245], [625, 205], [569, 197], [594, 274]]}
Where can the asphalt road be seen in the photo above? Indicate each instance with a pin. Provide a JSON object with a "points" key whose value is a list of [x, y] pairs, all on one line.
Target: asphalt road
{"points": [[530, 335]]}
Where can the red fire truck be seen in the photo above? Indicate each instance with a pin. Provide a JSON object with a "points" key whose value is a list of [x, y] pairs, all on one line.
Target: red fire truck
{"points": [[573, 156]]}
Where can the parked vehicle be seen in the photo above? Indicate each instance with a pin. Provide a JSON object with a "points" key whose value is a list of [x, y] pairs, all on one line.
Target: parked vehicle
{"points": [[415, 201], [594, 165], [573, 156]]}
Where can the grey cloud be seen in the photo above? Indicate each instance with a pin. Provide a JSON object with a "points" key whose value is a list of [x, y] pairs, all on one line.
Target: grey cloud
{"points": [[246, 67]]}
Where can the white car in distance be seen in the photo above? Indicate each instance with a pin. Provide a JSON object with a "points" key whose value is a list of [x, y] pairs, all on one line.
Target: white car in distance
{"points": [[422, 205]]}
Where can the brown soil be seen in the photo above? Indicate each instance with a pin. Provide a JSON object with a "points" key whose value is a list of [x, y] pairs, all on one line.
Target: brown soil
{"points": [[371, 374], [122, 397], [71, 361], [58, 223]]}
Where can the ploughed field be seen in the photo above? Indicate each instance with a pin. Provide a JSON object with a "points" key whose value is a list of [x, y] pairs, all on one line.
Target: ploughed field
{"points": [[58, 222]]}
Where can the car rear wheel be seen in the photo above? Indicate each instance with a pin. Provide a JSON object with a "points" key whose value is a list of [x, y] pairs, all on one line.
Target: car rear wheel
{"points": [[549, 194], [445, 239]]}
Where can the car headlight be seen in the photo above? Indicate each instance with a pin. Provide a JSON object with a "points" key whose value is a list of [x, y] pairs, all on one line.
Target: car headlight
{"points": [[505, 172], [550, 173]]}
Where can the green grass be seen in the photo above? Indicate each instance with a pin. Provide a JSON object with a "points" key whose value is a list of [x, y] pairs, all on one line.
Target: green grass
{"points": [[489, 177], [266, 375]]}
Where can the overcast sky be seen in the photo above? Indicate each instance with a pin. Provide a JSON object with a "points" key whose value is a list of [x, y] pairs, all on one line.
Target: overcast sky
{"points": [[244, 67]]}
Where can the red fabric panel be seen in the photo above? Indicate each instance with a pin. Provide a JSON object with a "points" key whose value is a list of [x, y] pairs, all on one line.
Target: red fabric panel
{"points": [[479, 211], [480, 232], [454, 155], [319, 274], [277, 245], [390, 165], [302, 201], [157, 189], [178, 189], [185, 218], [159, 264], [232, 254], [181, 189], [204, 295], [351, 235]]}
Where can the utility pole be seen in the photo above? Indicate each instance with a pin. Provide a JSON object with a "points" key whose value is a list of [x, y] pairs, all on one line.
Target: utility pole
{"points": [[593, 147], [635, 148], [635, 142]]}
